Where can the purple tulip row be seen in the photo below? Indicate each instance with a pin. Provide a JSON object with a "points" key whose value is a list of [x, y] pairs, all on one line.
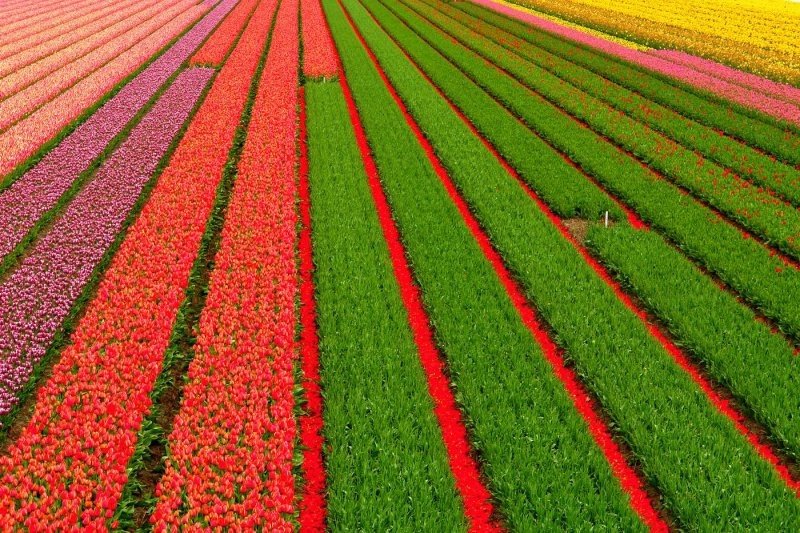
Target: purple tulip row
{"points": [[39, 189], [38, 294]]}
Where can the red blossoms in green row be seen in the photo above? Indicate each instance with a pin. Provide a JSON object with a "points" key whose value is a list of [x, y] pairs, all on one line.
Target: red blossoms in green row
{"points": [[67, 468], [230, 452]]}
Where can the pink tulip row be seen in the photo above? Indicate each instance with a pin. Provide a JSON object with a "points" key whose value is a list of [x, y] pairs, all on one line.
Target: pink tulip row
{"points": [[45, 42], [26, 136], [29, 23], [742, 95], [319, 55], [39, 46], [745, 79], [221, 470], [68, 467], [100, 34], [33, 96], [16, 7]]}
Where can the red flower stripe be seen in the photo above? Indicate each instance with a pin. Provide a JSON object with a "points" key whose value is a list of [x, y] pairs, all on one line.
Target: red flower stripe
{"points": [[67, 468], [232, 443], [319, 53], [217, 46], [312, 501]]}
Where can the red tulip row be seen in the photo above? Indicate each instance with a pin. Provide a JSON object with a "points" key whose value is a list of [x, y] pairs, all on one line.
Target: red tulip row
{"points": [[319, 55], [232, 443], [216, 48], [68, 466]]}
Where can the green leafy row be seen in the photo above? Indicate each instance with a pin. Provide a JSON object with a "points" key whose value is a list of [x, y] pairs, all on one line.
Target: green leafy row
{"points": [[705, 470], [752, 164], [756, 209], [757, 366], [386, 463], [742, 263], [541, 463], [704, 108]]}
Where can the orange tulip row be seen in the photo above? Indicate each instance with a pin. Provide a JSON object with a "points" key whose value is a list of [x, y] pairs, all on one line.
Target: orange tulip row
{"points": [[319, 55], [231, 448], [216, 48]]}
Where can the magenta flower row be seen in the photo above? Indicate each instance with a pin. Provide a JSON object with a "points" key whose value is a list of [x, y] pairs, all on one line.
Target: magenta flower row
{"points": [[37, 295]]}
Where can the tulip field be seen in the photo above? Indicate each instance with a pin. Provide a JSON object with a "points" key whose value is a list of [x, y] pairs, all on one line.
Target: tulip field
{"points": [[414, 265]]}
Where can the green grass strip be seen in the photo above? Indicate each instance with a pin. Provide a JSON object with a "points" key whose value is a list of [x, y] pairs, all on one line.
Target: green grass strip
{"points": [[744, 124], [752, 164], [757, 366], [706, 471], [755, 209], [742, 263], [387, 467], [541, 463]]}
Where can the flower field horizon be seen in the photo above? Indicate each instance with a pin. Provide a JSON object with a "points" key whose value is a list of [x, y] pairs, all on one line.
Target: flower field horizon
{"points": [[418, 265]]}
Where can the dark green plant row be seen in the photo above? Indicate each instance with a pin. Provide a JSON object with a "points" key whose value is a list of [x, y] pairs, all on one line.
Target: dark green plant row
{"points": [[741, 353], [755, 209], [742, 263], [537, 453], [751, 126], [754, 165], [704, 469], [386, 464]]}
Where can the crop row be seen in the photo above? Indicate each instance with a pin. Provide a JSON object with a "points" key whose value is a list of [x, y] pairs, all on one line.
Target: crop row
{"points": [[89, 412], [41, 188], [377, 407], [229, 461], [517, 408], [23, 102], [722, 372], [756, 209], [23, 138], [27, 22], [757, 36], [751, 164], [20, 73], [319, 54], [745, 97], [218, 46], [743, 263], [702, 108], [599, 334]]}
